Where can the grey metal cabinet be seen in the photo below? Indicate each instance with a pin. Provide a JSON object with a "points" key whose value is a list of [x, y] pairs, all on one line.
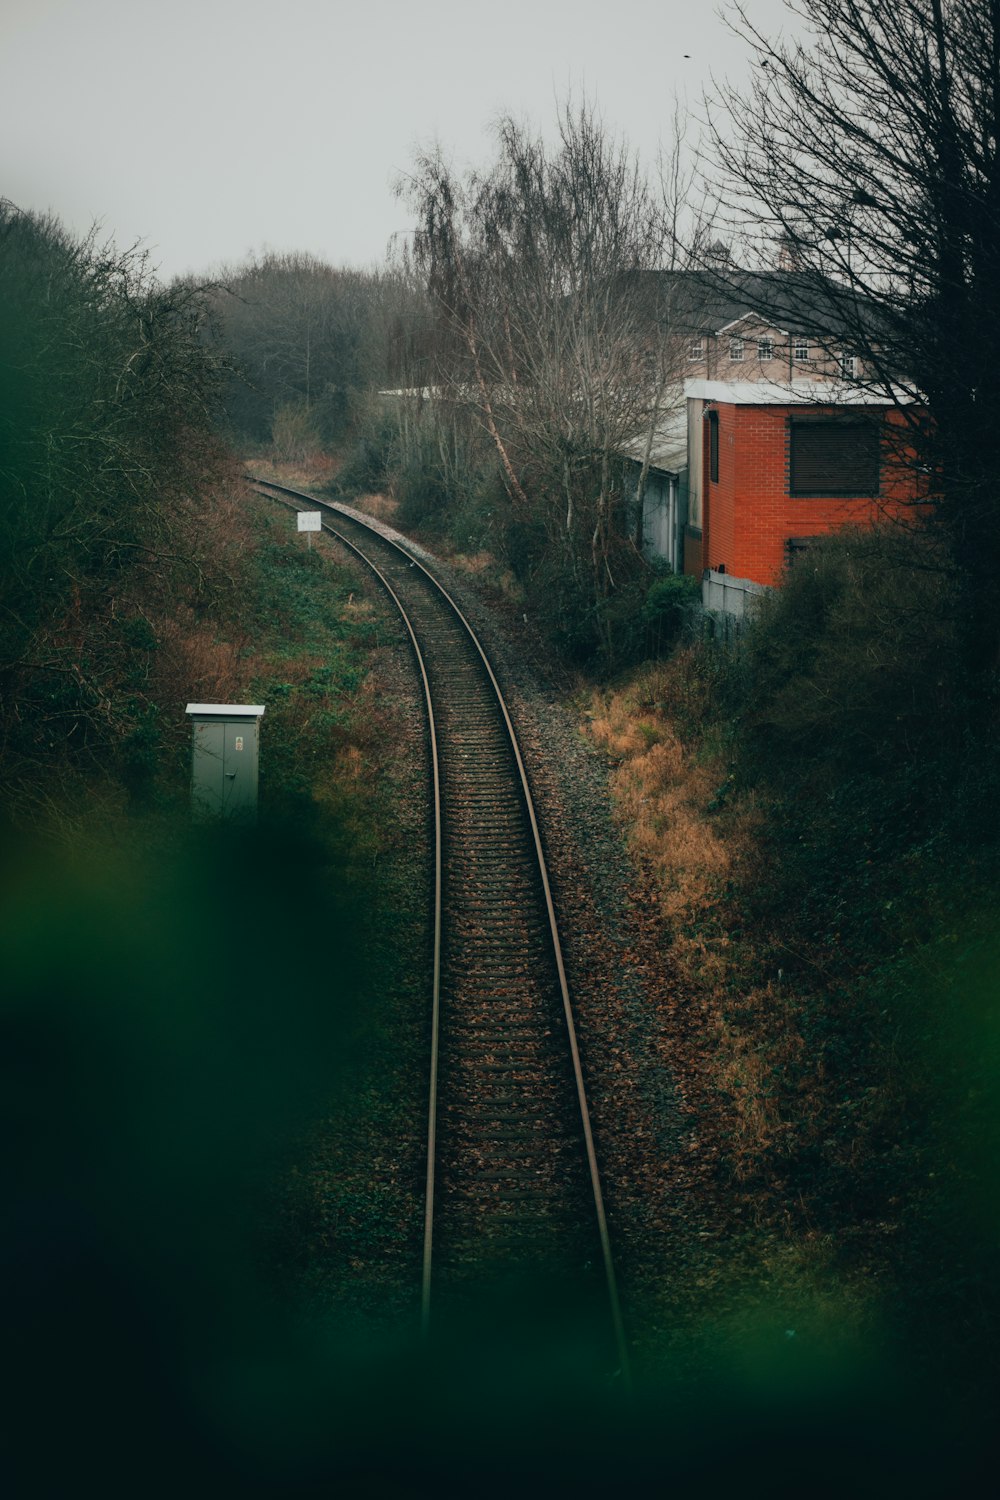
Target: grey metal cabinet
{"points": [[224, 760]]}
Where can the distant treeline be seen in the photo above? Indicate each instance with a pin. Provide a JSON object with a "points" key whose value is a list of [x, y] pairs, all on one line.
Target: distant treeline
{"points": [[307, 342]]}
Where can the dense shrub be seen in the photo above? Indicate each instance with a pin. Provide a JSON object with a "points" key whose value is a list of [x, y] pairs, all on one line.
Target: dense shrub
{"points": [[852, 666], [436, 461], [432, 460], [816, 798], [670, 604], [368, 466], [294, 432], [107, 395], [845, 717]]}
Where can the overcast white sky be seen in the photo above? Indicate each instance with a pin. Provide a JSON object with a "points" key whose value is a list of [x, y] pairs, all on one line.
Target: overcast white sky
{"points": [[212, 128]]}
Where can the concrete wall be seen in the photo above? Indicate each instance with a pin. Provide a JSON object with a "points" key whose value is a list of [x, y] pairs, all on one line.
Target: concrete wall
{"points": [[725, 595]]}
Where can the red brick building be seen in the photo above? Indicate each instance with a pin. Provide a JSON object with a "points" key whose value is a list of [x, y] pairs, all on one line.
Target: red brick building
{"points": [[773, 467]]}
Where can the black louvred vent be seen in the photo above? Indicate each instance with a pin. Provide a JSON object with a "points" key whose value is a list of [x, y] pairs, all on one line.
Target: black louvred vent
{"points": [[832, 456]]}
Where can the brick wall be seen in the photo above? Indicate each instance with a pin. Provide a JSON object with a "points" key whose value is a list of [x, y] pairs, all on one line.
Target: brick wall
{"points": [[749, 516]]}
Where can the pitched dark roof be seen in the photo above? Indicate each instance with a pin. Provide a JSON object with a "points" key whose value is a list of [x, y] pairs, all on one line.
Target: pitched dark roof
{"points": [[704, 301]]}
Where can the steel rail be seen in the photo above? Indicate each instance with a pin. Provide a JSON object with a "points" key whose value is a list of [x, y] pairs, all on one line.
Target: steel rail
{"points": [[426, 1267], [595, 1181]]}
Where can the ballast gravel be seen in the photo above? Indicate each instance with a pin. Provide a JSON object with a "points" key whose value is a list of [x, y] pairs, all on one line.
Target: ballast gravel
{"points": [[657, 1119]]}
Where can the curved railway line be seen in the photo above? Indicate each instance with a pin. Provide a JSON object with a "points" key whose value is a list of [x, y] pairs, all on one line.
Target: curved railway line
{"points": [[513, 1194]]}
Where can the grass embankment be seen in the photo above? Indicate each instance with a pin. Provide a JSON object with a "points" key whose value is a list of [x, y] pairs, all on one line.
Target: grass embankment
{"points": [[814, 807], [335, 761], [314, 472], [212, 1059]]}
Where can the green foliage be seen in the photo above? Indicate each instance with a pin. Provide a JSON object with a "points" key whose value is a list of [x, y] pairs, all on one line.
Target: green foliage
{"points": [[140, 757], [851, 667], [845, 717], [670, 597], [107, 399], [440, 463], [478, 511], [139, 634], [558, 599], [368, 467], [525, 544], [626, 624], [602, 630], [307, 667], [333, 413], [164, 1040], [433, 460], [669, 605], [852, 936], [423, 495]]}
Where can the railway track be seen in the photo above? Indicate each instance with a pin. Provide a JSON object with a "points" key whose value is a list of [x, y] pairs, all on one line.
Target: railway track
{"points": [[514, 1206]]}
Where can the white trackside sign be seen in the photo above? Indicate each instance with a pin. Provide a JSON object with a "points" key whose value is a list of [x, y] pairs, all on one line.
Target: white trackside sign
{"points": [[310, 520]]}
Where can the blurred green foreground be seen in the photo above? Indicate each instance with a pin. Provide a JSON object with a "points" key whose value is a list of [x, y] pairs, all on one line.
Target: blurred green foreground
{"points": [[169, 1025]]}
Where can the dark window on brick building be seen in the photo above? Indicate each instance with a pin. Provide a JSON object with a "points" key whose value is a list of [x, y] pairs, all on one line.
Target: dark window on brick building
{"points": [[713, 446], [830, 456]]}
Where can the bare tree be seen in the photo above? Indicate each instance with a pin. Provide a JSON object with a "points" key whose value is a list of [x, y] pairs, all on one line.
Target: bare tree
{"points": [[546, 273], [870, 152]]}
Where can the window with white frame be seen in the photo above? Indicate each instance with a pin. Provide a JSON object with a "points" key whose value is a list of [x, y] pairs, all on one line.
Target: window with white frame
{"points": [[736, 350], [696, 349], [800, 349], [848, 366], [765, 349]]}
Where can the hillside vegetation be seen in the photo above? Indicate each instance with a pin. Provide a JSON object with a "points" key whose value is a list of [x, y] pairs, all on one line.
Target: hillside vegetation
{"points": [[816, 803], [120, 547]]}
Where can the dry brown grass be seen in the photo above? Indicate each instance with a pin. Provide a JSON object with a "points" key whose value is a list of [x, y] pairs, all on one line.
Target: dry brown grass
{"points": [[312, 472], [663, 793], [475, 563], [193, 662], [734, 1040], [487, 571], [753, 1054], [382, 507]]}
